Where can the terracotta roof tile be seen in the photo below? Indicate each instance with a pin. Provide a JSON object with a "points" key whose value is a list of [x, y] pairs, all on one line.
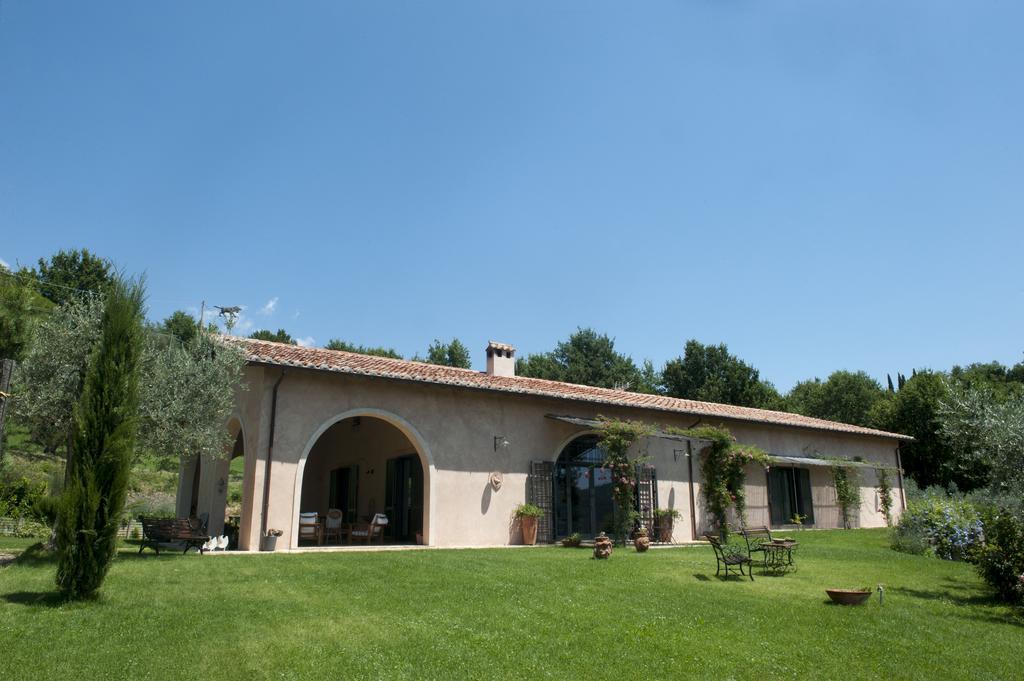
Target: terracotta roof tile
{"points": [[281, 354]]}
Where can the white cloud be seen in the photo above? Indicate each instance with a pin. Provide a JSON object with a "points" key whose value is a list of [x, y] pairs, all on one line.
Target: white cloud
{"points": [[269, 308], [3, 263], [306, 342]]}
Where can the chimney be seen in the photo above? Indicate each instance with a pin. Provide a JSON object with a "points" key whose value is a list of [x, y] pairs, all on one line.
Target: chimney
{"points": [[501, 359]]}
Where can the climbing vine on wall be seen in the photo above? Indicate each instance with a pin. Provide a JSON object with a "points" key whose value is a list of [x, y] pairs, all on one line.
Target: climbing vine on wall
{"points": [[617, 437], [847, 492], [885, 495], [723, 468]]}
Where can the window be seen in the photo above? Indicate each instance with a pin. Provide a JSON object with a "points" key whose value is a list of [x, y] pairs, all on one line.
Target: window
{"points": [[789, 493]]}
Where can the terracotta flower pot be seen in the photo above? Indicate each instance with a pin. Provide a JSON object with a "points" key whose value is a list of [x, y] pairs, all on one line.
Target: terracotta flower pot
{"points": [[642, 542], [529, 526], [665, 531], [602, 546], [848, 596]]}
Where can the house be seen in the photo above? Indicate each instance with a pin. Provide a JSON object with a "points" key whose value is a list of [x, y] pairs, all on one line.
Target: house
{"points": [[448, 454]]}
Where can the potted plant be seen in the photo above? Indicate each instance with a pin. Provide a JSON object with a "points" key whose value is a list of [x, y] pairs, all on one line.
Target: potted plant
{"points": [[527, 515], [572, 541], [665, 520], [269, 540], [640, 539]]}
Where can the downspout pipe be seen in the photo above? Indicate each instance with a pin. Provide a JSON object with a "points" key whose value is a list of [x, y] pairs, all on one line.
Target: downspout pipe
{"points": [[270, 457]]}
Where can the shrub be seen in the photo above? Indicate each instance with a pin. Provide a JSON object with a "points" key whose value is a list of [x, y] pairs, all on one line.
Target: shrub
{"points": [[942, 526], [572, 540], [1001, 559], [18, 497], [105, 421], [529, 511]]}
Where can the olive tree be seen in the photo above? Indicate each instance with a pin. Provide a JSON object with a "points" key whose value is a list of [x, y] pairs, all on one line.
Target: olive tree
{"points": [[186, 390], [988, 433], [48, 382], [186, 395]]}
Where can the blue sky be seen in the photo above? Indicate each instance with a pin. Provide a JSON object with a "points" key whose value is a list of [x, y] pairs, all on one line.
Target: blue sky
{"points": [[818, 185]]}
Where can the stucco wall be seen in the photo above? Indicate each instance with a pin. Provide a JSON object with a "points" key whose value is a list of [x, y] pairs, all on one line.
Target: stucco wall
{"points": [[453, 431]]}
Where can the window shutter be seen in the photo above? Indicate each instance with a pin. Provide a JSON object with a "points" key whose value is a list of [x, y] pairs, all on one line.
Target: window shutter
{"points": [[646, 494], [539, 489]]}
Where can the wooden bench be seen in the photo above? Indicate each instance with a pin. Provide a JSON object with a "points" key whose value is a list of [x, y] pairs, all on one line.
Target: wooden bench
{"points": [[157, 531], [727, 556]]}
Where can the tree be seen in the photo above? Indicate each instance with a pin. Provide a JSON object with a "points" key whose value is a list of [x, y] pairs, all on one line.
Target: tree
{"points": [[650, 380], [914, 410], [21, 307], [1002, 381], [847, 397], [453, 354], [586, 358], [105, 422], [186, 395], [181, 325], [49, 379], [711, 374], [71, 274], [338, 344], [988, 431], [280, 336]]}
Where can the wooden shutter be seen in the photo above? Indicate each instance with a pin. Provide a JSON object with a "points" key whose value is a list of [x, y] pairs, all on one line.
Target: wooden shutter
{"points": [[539, 492], [646, 494]]}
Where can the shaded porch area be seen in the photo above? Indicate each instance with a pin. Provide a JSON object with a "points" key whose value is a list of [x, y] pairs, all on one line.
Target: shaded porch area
{"points": [[363, 484]]}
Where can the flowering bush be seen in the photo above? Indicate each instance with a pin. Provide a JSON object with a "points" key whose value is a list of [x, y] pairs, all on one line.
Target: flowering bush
{"points": [[1001, 559], [945, 527], [616, 439]]}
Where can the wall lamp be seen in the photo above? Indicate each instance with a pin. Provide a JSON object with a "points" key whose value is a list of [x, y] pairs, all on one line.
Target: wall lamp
{"points": [[501, 441]]}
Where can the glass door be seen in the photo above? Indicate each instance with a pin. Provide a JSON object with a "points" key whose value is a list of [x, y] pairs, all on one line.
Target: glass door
{"points": [[403, 498]]}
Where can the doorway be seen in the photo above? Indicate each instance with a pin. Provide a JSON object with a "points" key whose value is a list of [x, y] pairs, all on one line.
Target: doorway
{"points": [[403, 498]]}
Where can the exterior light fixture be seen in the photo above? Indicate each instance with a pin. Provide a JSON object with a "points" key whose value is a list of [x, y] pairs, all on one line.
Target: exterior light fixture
{"points": [[676, 453], [222, 485], [500, 441]]}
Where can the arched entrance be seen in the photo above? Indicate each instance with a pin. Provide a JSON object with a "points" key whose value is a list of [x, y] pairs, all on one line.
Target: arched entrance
{"points": [[235, 476], [582, 494], [362, 465], [582, 489]]}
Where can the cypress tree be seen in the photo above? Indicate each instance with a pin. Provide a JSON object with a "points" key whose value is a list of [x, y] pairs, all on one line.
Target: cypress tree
{"points": [[103, 441]]}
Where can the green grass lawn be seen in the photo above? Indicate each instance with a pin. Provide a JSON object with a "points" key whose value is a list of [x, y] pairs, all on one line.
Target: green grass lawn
{"points": [[528, 613]]}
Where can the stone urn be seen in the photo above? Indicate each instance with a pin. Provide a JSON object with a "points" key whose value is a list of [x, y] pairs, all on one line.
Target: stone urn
{"points": [[641, 541], [602, 546]]}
